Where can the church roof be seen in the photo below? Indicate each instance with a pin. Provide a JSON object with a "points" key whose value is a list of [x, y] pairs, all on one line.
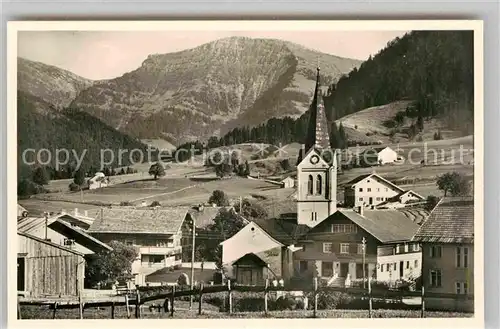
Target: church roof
{"points": [[317, 130]]}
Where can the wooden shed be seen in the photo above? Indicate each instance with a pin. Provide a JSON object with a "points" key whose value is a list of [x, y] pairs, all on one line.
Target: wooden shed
{"points": [[45, 268], [250, 269]]}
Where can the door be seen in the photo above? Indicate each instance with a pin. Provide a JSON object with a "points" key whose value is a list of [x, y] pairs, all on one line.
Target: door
{"points": [[344, 270], [370, 200], [401, 269], [20, 274]]}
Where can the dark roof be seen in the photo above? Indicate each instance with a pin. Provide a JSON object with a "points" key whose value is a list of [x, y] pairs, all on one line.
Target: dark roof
{"points": [[142, 221], [52, 244], [358, 179], [451, 221], [250, 258], [205, 217], [384, 225], [80, 236], [284, 231], [170, 275]]}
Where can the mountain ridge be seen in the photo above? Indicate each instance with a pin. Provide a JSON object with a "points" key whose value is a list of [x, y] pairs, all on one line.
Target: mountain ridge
{"points": [[211, 88]]}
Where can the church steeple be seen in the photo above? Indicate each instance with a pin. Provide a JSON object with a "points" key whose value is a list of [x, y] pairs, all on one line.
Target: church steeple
{"points": [[317, 128]]}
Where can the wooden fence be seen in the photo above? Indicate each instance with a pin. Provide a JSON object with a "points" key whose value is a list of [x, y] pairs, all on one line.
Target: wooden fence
{"points": [[201, 290]]}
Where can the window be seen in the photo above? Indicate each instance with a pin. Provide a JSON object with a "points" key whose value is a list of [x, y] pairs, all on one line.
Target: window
{"points": [[387, 267], [344, 248], [178, 257], [369, 189], [406, 247], [381, 268], [416, 263], [378, 189], [415, 247], [360, 248], [360, 199], [327, 269], [310, 185], [303, 266], [129, 242], [327, 247], [319, 185], [435, 251], [462, 257], [407, 264], [395, 266], [461, 287], [435, 278], [387, 190], [344, 228], [361, 189], [398, 248]]}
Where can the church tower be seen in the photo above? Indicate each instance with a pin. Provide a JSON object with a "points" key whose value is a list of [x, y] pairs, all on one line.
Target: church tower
{"points": [[316, 172]]}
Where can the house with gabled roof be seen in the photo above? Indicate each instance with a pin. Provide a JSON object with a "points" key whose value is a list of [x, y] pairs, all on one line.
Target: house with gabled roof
{"points": [[375, 156], [155, 232], [375, 190], [333, 249], [271, 240], [447, 241], [57, 230]]}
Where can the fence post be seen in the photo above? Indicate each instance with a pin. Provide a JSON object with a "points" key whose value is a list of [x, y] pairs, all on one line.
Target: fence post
{"points": [[80, 302], [137, 304], [230, 296], [113, 310], [369, 297], [127, 306], [172, 302], [200, 298], [266, 295], [55, 309], [315, 296], [422, 313]]}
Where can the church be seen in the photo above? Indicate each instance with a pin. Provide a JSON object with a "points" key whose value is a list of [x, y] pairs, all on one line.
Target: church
{"points": [[336, 245]]}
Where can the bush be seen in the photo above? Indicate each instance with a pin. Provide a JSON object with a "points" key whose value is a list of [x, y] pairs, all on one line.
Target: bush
{"points": [[125, 203], [155, 204], [285, 303], [73, 187]]}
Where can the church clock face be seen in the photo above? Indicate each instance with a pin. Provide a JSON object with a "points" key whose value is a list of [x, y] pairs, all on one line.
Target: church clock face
{"points": [[314, 159]]}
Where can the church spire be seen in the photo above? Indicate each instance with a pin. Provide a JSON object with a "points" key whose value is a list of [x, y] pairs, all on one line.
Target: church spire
{"points": [[317, 128]]}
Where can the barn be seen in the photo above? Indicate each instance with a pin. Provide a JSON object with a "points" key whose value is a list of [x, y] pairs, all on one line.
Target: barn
{"points": [[47, 269]]}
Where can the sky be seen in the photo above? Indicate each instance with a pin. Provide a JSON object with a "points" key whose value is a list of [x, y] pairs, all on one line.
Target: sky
{"points": [[108, 54]]}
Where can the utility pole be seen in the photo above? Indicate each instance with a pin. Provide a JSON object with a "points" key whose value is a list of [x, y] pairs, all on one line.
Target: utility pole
{"points": [[241, 205], [364, 256], [46, 224], [192, 264]]}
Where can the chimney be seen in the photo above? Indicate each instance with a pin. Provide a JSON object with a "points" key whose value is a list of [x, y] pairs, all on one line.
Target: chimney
{"points": [[76, 211]]}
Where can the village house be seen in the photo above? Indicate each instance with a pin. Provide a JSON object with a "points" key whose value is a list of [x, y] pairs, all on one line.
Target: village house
{"points": [[98, 181], [374, 190], [447, 241], [47, 269], [59, 230], [261, 250], [288, 182], [335, 248], [377, 156], [155, 232]]}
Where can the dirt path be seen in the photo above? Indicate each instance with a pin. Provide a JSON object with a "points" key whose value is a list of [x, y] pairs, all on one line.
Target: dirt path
{"points": [[162, 194]]}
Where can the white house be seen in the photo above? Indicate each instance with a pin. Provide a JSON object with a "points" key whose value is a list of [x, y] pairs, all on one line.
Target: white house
{"points": [[374, 190], [378, 156], [98, 181], [288, 182]]}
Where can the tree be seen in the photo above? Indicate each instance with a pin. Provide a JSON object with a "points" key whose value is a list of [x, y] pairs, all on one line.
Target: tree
{"points": [[122, 172], [432, 201], [40, 176], [250, 210], [219, 198], [223, 169], [79, 177], [129, 170], [420, 123], [455, 183], [26, 187], [106, 267], [157, 170], [285, 165], [155, 204], [399, 119], [342, 137], [247, 168]]}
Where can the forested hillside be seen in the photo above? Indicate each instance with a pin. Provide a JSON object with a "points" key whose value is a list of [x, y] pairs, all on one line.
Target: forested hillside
{"points": [[432, 69], [41, 126]]}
